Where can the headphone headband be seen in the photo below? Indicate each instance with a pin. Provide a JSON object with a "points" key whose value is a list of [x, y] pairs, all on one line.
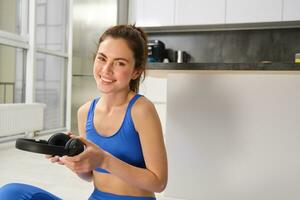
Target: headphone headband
{"points": [[40, 146]]}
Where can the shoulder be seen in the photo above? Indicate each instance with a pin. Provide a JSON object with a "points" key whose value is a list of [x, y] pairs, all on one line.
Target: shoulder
{"points": [[142, 107], [83, 110], [146, 119], [144, 115]]}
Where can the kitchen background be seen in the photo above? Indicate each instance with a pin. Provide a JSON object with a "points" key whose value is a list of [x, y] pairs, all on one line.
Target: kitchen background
{"points": [[235, 46], [222, 128], [219, 125], [229, 116]]}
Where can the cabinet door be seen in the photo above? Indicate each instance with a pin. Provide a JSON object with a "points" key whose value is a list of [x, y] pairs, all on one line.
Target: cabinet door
{"points": [[151, 12], [291, 10], [155, 89], [243, 11], [196, 12]]}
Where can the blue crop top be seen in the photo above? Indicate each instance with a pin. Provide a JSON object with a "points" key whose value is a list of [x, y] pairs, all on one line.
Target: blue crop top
{"points": [[124, 144]]}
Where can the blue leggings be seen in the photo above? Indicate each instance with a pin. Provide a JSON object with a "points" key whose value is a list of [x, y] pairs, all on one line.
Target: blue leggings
{"points": [[19, 191]]}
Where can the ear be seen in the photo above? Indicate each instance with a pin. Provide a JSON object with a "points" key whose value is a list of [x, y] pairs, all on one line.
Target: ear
{"points": [[136, 73]]}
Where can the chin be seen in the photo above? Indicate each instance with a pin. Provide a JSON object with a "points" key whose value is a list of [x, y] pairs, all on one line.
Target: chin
{"points": [[105, 90]]}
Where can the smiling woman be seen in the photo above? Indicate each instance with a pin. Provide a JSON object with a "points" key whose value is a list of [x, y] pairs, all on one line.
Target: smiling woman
{"points": [[122, 113], [125, 154]]}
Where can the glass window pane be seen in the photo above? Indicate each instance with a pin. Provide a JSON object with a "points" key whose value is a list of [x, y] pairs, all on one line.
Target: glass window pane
{"points": [[12, 74], [51, 24], [51, 88], [10, 15]]}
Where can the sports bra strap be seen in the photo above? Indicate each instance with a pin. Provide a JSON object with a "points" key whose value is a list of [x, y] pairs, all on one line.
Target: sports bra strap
{"points": [[132, 101], [92, 108]]}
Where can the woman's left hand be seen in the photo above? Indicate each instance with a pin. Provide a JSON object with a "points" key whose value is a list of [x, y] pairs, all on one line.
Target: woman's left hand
{"points": [[91, 158]]}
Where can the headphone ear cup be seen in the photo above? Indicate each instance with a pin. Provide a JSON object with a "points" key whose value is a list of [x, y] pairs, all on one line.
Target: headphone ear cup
{"points": [[74, 147], [59, 139]]}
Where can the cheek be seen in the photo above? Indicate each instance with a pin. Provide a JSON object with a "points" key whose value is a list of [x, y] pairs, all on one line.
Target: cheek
{"points": [[126, 75], [96, 67]]}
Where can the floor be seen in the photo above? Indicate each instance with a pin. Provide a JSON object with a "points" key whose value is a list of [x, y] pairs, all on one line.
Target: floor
{"points": [[31, 168], [25, 167]]}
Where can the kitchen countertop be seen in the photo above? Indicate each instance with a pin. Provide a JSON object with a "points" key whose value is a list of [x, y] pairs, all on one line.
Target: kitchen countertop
{"points": [[225, 66]]}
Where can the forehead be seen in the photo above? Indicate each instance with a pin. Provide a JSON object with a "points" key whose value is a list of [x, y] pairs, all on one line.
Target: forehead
{"points": [[115, 47]]}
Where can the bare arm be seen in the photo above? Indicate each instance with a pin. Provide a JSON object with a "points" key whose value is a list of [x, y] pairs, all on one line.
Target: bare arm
{"points": [[81, 119], [154, 177]]}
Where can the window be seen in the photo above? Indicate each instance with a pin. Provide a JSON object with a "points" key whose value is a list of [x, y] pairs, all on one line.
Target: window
{"points": [[12, 71], [11, 15], [33, 67], [51, 24], [51, 60], [51, 88]]}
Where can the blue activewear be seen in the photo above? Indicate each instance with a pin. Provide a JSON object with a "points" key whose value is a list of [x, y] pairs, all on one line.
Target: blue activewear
{"points": [[124, 144], [19, 191], [99, 195]]}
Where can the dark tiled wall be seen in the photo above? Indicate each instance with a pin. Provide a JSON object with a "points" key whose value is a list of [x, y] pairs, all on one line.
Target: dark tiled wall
{"points": [[276, 45]]}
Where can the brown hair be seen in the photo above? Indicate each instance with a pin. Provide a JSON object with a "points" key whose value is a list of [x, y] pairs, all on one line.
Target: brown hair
{"points": [[136, 40]]}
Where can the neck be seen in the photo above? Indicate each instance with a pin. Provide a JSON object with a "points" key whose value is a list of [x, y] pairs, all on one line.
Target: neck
{"points": [[116, 99]]}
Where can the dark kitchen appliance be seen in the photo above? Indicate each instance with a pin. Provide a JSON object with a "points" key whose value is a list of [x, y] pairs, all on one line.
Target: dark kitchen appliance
{"points": [[181, 56], [156, 51]]}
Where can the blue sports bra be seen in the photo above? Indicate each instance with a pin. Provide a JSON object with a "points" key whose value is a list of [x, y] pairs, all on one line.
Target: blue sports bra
{"points": [[124, 144]]}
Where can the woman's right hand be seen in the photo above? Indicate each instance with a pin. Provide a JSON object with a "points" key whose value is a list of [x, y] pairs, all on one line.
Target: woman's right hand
{"points": [[54, 159]]}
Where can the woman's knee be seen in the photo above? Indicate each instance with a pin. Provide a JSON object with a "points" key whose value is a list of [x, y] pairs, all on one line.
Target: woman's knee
{"points": [[11, 187], [17, 191], [11, 190]]}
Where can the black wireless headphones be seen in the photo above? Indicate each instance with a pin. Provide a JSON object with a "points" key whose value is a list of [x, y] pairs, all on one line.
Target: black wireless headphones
{"points": [[59, 144]]}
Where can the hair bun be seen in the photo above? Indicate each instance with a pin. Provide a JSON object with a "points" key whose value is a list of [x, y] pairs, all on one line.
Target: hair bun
{"points": [[139, 31]]}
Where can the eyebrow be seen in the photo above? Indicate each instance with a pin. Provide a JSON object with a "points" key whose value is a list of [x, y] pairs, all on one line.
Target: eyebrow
{"points": [[102, 54]]}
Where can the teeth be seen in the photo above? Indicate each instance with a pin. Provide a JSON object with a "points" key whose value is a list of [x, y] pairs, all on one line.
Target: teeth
{"points": [[107, 80]]}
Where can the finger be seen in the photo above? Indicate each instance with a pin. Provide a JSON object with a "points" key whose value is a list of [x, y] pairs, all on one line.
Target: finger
{"points": [[61, 163], [64, 161], [54, 159], [76, 167], [70, 165], [48, 156], [69, 159], [70, 134]]}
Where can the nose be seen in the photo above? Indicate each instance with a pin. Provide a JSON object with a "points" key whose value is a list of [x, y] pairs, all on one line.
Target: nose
{"points": [[107, 68]]}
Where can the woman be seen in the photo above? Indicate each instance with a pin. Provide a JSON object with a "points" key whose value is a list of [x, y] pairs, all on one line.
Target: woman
{"points": [[125, 155]]}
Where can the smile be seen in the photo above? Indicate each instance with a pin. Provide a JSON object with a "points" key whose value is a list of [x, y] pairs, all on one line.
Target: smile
{"points": [[106, 80]]}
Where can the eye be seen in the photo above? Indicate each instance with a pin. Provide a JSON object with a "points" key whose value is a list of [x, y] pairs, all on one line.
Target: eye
{"points": [[101, 58], [120, 63]]}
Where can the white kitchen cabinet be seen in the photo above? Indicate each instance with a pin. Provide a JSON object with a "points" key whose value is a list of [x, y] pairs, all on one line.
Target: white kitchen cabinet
{"points": [[156, 13], [233, 136], [247, 11], [195, 12], [291, 10], [151, 13], [155, 89]]}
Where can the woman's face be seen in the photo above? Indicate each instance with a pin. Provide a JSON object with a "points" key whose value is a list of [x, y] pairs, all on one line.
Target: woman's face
{"points": [[114, 66]]}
